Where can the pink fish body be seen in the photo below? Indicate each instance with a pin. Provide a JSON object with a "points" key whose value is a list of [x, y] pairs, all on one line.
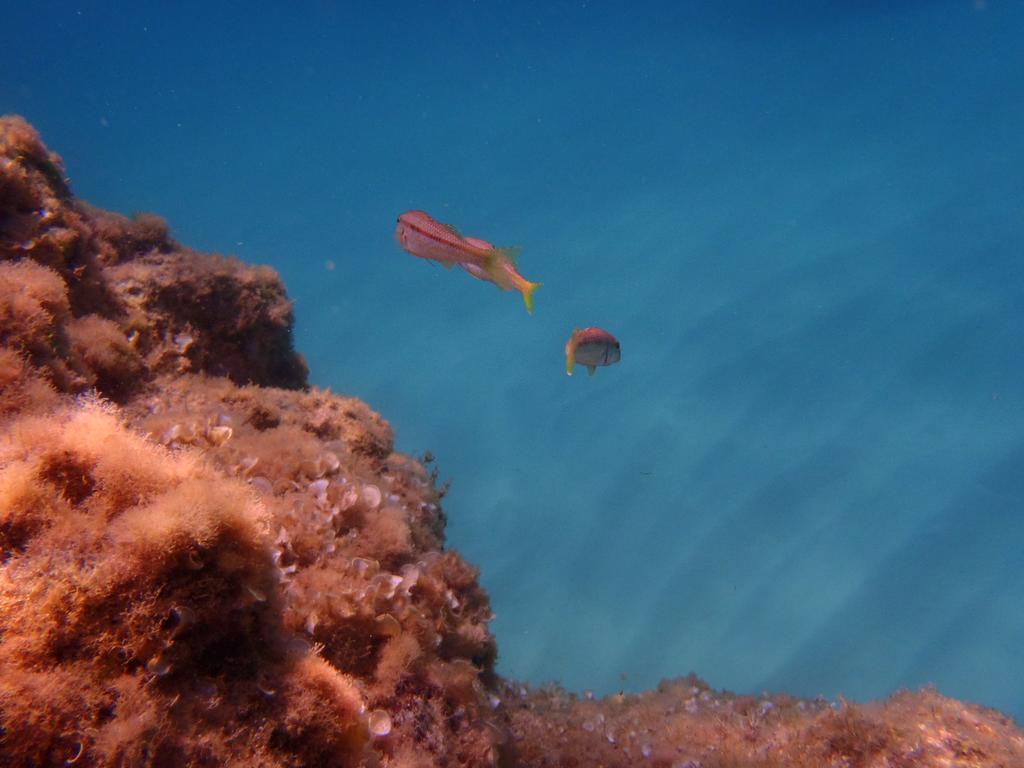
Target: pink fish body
{"points": [[591, 347], [424, 236], [473, 269]]}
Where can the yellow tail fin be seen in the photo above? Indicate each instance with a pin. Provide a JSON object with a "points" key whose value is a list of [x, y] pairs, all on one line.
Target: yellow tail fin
{"points": [[570, 359], [528, 290]]}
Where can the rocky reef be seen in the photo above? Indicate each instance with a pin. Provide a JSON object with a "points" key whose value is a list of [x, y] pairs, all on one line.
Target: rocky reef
{"points": [[204, 561]]}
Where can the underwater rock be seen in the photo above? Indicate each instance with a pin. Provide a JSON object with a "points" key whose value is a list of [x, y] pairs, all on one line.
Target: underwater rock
{"points": [[686, 723], [109, 301], [204, 561]]}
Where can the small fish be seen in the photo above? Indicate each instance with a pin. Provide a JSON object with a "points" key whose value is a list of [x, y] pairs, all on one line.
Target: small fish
{"points": [[591, 347], [510, 279], [427, 238]]}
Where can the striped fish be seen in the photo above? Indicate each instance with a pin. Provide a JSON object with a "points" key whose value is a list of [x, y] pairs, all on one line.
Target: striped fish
{"points": [[427, 238]]}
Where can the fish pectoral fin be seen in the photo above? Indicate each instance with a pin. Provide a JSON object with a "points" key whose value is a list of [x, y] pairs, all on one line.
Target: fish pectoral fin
{"points": [[492, 266], [591, 369], [511, 253]]}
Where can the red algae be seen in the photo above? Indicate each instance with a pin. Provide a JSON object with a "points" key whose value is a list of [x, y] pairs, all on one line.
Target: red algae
{"points": [[204, 561]]}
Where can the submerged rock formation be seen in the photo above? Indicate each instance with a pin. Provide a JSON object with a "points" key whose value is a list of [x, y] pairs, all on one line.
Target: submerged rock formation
{"points": [[206, 562]]}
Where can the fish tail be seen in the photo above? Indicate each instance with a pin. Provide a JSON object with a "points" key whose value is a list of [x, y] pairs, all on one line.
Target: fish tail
{"points": [[527, 290], [570, 358]]}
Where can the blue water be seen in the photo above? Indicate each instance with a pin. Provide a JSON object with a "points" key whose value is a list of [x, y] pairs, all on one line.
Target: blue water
{"points": [[806, 227]]}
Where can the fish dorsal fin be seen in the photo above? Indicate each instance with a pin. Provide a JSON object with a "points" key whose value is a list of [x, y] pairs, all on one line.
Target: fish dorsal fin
{"points": [[452, 229]]}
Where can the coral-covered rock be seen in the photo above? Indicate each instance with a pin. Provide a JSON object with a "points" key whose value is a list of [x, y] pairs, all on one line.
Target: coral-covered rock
{"points": [[205, 562]]}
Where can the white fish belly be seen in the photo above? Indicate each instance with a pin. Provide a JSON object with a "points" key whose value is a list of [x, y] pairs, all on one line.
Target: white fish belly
{"points": [[596, 353]]}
